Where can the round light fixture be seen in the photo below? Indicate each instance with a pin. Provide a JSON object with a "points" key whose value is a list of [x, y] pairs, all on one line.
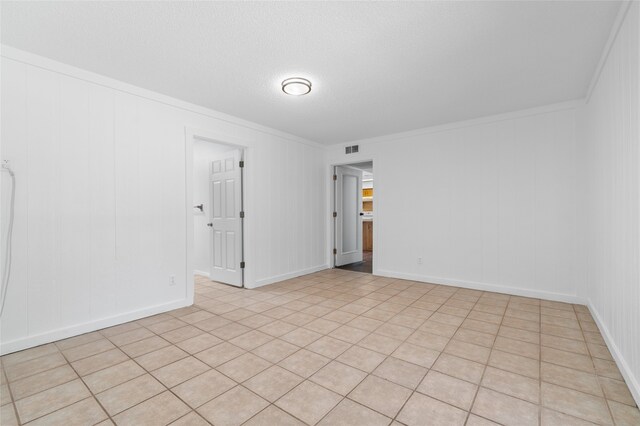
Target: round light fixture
{"points": [[296, 86]]}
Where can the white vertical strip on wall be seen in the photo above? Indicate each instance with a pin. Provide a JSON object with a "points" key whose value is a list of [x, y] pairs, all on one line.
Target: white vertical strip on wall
{"points": [[611, 202], [102, 200], [69, 187], [43, 107], [14, 111]]}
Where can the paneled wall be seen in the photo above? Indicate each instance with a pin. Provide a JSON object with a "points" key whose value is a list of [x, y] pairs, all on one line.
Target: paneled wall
{"points": [[610, 153], [486, 204], [100, 206]]}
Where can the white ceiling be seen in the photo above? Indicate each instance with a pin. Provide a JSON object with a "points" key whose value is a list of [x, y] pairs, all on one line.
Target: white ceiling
{"points": [[367, 166], [377, 68]]}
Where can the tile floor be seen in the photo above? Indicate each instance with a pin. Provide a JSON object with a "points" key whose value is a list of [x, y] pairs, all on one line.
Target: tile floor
{"points": [[332, 348]]}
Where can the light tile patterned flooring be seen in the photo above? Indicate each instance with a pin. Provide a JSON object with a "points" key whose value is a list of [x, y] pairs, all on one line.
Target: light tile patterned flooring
{"points": [[332, 348]]}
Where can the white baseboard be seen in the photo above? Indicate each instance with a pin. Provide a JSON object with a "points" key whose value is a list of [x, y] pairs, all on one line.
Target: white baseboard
{"points": [[278, 278], [203, 273], [75, 330], [629, 377], [515, 291]]}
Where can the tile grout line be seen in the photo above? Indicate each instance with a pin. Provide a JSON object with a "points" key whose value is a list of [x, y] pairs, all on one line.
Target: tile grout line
{"points": [[423, 321], [435, 361], [331, 360], [85, 385], [336, 360], [341, 303], [151, 375], [92, 395], [13, 401], [595, 370], [484, 368], [276, 337], [429, 369]]}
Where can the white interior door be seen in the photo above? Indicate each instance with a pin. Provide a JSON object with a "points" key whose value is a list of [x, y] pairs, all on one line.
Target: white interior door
{"points": [[225, 222], [348, 204]]}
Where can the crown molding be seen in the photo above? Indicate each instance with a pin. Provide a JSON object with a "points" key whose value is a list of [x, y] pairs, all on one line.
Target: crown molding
{"points": [[615, 29], [562, 106], [101, 80]]}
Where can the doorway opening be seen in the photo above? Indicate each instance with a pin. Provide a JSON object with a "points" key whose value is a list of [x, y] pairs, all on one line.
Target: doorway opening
{"points": [[353, 193], [218, 211]]}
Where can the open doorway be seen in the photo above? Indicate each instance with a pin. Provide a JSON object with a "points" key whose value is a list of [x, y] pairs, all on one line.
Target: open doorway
{"points": [[353, 216], [217, 212]]}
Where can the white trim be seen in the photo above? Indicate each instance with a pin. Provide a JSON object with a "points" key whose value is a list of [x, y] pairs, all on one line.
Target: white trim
{"points": [[331, 230], [65, 69], [633, 382], [613, 34], [191, 133], [289, 275], [101, 80], [627, 373], [74, 330], [496, 288], [201, 273], [562, 106]]}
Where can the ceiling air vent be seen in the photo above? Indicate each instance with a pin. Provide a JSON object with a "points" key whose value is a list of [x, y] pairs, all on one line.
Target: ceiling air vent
{"points": [[351, 149]]}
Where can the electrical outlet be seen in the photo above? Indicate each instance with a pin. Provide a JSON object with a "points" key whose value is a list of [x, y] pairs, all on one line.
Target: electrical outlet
{"points": [[172, 280], [419, 261]]}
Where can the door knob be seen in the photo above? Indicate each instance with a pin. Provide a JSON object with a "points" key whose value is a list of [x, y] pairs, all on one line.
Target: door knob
{"points": [[210, 225]]}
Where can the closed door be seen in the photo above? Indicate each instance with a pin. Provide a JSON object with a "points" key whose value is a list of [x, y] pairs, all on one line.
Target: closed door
{"points": [[348, 204], [225, 222]]}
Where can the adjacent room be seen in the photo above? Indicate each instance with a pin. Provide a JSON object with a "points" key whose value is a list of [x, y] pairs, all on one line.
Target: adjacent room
{"points": [[188, 194], [352, 196]]}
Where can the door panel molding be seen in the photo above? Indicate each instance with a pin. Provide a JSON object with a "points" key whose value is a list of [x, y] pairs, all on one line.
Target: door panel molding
{"points": [[225, 222]]}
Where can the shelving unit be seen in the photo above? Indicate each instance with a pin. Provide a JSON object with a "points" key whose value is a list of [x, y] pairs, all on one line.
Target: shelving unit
{"points": [[367, 225], [367, 199]]}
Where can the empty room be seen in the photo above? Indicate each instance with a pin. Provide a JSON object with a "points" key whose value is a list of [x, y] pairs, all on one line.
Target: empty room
{"points": [[320, 213]]}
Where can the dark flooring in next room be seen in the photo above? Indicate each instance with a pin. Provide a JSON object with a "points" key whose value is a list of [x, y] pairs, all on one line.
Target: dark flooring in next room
{"points": [[365, 266]]}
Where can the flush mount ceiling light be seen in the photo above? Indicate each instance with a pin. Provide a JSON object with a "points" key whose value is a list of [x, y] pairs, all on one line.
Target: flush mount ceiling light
{"points": [[296, 86]]}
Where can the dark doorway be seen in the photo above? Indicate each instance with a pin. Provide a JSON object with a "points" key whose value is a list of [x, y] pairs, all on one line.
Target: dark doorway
{"points": [[365, 266]]}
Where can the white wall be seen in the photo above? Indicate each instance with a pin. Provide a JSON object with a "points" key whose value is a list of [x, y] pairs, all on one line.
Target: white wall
{"points": [[204, 153], [487, 204], [101, 212], [610, 152]]}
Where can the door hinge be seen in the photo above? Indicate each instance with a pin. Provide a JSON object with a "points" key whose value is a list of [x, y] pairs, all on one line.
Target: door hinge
{"points": [[335, 177], [335, 214], [335, 251], [241, 163], [241, 215], [242, 265]]}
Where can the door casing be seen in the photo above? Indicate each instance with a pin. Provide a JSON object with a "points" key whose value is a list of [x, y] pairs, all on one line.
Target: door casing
{"points": [[348, 220], [331, 224], [191, 134]]}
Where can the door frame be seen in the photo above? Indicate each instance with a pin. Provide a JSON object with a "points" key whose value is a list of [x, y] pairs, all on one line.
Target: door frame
{"points": [[332, 206], [192, 134]]}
